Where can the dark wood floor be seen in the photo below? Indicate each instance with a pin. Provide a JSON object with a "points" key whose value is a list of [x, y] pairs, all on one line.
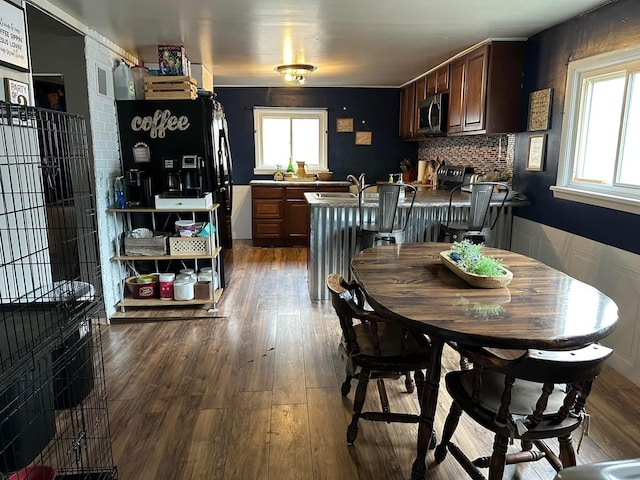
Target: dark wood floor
{"points": [[253, 393]]}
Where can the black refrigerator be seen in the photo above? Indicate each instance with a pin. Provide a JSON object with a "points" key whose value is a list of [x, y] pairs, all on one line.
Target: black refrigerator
{"points": [[154, 133]]}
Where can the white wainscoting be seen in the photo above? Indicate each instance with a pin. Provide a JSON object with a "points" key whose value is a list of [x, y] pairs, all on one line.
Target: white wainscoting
{"points": [[614, 272], [241, 212]]}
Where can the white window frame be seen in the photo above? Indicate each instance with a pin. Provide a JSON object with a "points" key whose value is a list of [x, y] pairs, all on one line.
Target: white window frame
{"points": [[318, 113], [617, 197]]}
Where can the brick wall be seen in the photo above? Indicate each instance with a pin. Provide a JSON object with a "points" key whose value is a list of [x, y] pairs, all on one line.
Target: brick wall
{"points": [[100, 53]]}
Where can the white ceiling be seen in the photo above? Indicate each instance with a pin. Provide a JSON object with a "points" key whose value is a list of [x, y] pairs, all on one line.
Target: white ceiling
{"points": [[353, 43]]}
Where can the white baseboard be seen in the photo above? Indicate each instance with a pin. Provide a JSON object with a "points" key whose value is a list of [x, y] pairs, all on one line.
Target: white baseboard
{"points": [[614, 272]]}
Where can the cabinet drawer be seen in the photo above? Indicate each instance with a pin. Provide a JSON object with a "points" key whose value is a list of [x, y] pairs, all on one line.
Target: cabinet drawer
{"points": [[267, 192], [298, 192], [266, 228], [267, 209]]}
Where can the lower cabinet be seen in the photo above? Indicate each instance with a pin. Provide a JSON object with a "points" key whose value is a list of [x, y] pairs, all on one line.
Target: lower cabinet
{"points": [[281, 213]]}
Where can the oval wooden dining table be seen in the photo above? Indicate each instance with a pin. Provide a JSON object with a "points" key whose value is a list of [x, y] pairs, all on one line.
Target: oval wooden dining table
{"points": [[542, 308]]}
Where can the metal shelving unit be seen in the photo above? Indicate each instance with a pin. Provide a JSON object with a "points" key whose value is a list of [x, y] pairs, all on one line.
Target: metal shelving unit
{"points": [[128, 216]]}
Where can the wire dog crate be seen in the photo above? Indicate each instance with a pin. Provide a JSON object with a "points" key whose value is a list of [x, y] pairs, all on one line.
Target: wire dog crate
{"points": [[53, 405]]}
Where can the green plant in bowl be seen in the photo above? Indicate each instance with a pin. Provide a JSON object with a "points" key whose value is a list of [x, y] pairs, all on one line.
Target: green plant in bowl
{"points": [[469, 258]]}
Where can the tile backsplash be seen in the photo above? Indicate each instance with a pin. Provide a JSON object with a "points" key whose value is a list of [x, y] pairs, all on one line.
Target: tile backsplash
{"points": [[485, 153]]}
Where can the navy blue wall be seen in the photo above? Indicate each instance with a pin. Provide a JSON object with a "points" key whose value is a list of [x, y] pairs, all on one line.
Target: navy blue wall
{"points": [[379, 108], [609, 28]]}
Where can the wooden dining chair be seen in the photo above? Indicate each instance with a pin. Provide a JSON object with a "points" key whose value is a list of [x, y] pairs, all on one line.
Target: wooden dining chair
{"points": [[375, 347], [530, 395]]}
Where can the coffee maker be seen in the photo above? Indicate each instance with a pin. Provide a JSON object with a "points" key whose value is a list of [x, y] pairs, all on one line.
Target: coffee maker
{"points": [[191, 173], [172, 178], [139, 192]]}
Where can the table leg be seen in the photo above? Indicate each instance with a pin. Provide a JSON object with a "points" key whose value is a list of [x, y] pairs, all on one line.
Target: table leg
{"points": [[428, 405]]}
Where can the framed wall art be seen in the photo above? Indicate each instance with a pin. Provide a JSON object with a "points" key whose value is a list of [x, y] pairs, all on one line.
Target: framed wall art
{"points": [[16, 92], [344, 125], [363, 138], [13, 37], [535, 152], [539, 110]]}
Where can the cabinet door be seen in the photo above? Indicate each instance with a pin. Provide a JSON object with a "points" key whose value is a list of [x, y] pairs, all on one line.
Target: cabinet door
{"points": [[296, 228], [407, 114], [432, 84], [442, 79], [475, 79], [456, 82], [421, 94]]}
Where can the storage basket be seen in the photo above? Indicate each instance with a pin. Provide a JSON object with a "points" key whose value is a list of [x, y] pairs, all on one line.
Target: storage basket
{"points": [[156, 245], [190, 245]]}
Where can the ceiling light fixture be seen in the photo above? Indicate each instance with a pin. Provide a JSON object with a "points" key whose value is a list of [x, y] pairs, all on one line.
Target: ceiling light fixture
{"points": [[296, 74]]}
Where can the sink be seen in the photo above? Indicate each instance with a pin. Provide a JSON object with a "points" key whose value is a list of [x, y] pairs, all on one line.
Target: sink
{"points": [[334, 195]]}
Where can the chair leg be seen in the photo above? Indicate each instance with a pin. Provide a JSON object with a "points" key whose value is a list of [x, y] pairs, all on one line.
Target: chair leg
{"points": [[450, 425], [496, 468], [358, 402], [382, 392], [419, 376], [408, 382], [345, 388], [567, 452]]}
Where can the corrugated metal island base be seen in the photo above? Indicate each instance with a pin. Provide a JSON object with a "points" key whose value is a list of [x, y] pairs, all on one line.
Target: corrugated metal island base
{"points": [[333, 222]]}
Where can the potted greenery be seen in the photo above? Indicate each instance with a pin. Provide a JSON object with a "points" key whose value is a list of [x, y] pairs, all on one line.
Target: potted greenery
{"points": [[466, 260]]}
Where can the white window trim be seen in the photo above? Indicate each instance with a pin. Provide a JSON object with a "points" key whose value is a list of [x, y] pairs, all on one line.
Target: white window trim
{"points": [[321, 113], [565, 188]]}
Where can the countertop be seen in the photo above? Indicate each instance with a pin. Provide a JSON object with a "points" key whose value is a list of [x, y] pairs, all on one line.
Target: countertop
{"points": [[424, 198], [291, 183]]}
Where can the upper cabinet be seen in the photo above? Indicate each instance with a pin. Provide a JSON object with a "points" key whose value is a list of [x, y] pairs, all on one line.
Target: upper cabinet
{"points": [[421, 94], [407, 111], [484, 89], [438, 80]]}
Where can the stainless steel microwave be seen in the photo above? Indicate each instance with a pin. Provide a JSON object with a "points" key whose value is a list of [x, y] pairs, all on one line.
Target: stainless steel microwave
{"points": [[432, 118]]}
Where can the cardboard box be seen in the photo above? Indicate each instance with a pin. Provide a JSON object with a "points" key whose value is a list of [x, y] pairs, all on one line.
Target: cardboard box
{"points": [[171, 59], [202, 291], [203, 76]]}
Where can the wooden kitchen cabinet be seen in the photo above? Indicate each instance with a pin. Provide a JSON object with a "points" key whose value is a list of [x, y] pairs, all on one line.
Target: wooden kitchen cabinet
{"points": [[420, 95], [281, 213], [484, 89], [267, 209], [408, 111], [438, 80]]}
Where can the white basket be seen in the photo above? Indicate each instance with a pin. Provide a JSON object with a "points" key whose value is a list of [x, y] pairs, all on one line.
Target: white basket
{"points": [[190, 246]]}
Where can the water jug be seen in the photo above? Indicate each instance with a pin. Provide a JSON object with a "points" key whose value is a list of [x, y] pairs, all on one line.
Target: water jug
{"points": [[138, 72], [123, 79]]}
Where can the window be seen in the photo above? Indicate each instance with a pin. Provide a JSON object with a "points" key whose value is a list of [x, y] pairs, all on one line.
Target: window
{"points": [[600, 147], [296, 133]]}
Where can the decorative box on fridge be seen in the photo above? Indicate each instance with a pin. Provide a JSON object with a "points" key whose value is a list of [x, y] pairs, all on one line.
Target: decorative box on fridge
{"points": [[171, 60]]}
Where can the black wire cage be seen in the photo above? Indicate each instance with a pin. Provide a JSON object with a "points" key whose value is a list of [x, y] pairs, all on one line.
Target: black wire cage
{"points": [[53, 405]]}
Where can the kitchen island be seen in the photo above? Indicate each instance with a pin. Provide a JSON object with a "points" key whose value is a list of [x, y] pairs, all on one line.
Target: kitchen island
{"points": [[333, 221]]}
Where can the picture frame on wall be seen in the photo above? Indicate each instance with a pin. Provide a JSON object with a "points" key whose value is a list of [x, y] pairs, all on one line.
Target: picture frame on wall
{"points": [[539, 110], [13, 37], [363, 138], [536, 152], [344, 125]]}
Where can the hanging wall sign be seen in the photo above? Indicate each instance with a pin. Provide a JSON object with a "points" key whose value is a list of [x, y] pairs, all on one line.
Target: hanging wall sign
{"points": [[13, 37], [16, 92]]}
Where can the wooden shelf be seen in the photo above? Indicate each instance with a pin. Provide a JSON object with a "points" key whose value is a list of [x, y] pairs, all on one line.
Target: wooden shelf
{"points": [[163, 210], [156, 302], [125, 258]]}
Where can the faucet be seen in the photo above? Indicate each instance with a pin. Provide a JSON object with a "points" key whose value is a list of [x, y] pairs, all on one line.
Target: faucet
{"points": [[358, 182]]}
